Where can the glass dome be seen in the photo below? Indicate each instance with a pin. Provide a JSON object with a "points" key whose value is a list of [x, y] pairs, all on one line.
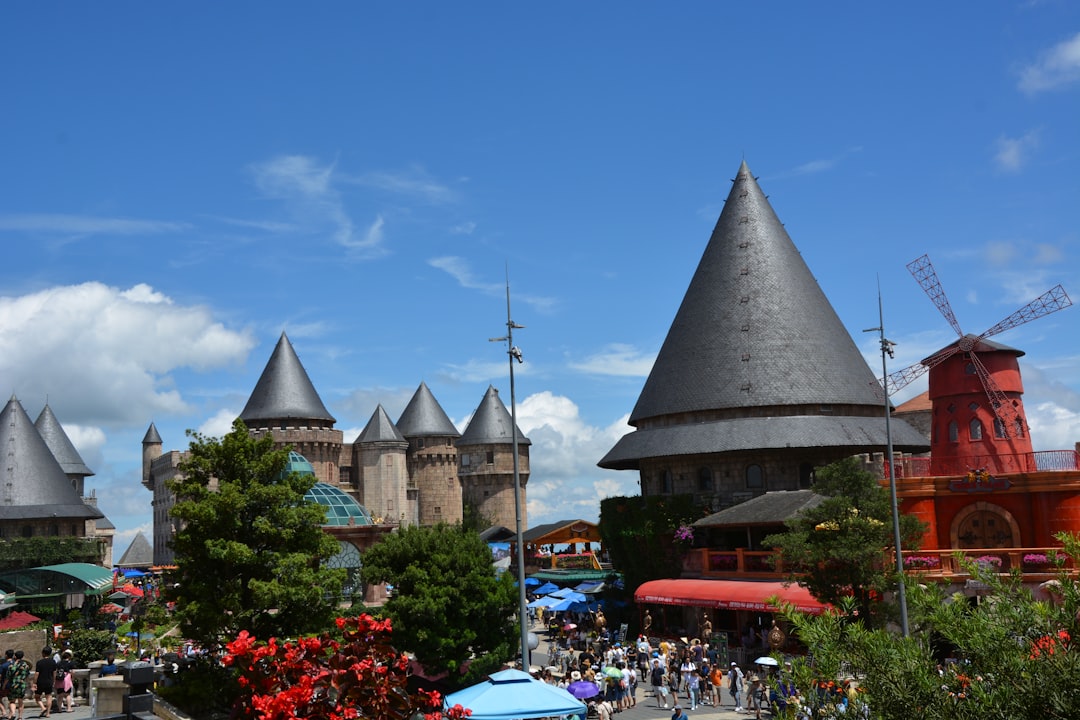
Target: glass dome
{"points": [[341, 508], [298, 464]]}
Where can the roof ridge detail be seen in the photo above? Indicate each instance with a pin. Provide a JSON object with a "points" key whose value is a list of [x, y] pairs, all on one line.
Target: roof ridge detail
{"points": [[380, 428], [490, 423], [52, 432], [424, 417]]}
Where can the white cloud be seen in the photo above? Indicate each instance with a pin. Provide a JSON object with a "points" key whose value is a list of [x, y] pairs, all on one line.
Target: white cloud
{"points": [[414, 182], [617, 359], [220, 424], [465, 228], [459, 269], [105, 354], [308, 191], [1013, 153], [565, 482], [1057, 67], [87, 225]]}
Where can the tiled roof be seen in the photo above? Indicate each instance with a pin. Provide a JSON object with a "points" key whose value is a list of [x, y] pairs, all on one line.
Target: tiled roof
{"points": [[138, 554], [424, 417], [853, 434], [284, 391], [380, 428], [58, 441], [32, 483], [772, 508], [490, 424], [151, 436]]}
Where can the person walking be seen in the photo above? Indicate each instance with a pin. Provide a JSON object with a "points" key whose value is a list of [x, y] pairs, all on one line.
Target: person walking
{"points": [[18, 674], [716, 680], [44, 681], [735, 686], [64, 699], [656, 679]]}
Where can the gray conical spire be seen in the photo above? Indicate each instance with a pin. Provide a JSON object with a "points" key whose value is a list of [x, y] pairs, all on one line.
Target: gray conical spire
{"points": [[60, 444], [32, 483], [424, 417], [380, 428], [152, 437], [284, 391], [756, 356], [490, 424], [138, 554]]}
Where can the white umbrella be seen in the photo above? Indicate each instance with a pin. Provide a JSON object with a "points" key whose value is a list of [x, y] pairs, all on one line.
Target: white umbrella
{"points": [[767, 661]]}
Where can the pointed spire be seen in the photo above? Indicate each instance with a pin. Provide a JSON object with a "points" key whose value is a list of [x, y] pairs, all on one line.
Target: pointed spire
{"points": [[490, 424], [32, 483], [151, 437], [60, 444], [424, 417], [380, 428], [138, 554], [754, 328], [284, 391]]}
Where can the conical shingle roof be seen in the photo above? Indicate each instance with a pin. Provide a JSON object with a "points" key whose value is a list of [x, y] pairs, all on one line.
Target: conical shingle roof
{"points": [[424, 417], [60, 444], [284, 391], [32, 483], [151, 437], [380, 428], [490, 424], [139, 553], [756, 357]]}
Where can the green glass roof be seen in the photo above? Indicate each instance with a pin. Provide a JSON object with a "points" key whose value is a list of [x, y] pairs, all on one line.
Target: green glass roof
{"points": [[298, 464], [341, 508]]}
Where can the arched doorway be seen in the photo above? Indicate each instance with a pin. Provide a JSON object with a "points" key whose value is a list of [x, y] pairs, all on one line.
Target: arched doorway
{"points": [[985, 525]]}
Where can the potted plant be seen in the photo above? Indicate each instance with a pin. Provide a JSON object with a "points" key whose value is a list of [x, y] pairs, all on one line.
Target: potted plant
{"points": [[1037, 561], [922, 562], [989, 562]]}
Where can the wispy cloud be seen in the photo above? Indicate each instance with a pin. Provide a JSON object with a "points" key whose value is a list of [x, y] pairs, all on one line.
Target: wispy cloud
{"points": [[460, 270], [814, 167], [87, 225], [465, 228], [619, 360], [1013, 153], [308, 190], [415, 182], [1057, 67]]}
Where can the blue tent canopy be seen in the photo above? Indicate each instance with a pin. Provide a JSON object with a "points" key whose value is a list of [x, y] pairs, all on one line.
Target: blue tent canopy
{"points": [[546, 589], [514, 695]]}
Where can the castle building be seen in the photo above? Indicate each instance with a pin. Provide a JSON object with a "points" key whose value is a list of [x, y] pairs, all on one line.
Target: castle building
{"points": [[757, 382], [414, 471], [42, 482]]}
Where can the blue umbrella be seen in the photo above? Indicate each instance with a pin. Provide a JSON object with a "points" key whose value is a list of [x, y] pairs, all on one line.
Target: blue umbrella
{"points": [[514, 695], [568, 594], [546, 589], [544, 602], [560, 606], [531, 581]]}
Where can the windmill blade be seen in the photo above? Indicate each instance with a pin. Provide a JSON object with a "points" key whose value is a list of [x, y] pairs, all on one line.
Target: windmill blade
{"points": [[924, 274], [1050, 301], [901, 378], [1010, 420]]}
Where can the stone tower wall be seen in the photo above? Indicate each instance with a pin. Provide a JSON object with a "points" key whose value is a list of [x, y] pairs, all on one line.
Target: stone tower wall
{"points": [[320, 446], [489, 486], [382, 480], [433, 471]]}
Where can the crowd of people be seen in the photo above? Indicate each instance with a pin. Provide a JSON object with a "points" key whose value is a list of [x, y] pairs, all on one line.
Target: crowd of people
{"points": [[49, 679]]}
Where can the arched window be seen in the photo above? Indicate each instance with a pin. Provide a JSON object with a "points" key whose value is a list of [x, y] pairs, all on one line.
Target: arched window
{"points": [[806, 476], [999, 428], [665, 482], [954, 431], [969, 369], [705, 483], [975, 429], [1019, 427], [754, 478]]}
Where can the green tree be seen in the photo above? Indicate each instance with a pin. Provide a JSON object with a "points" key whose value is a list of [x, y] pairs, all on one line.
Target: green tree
{"points": [[1016, 651], [839, 548], [638, 535], [448, 606], [250, 549]]}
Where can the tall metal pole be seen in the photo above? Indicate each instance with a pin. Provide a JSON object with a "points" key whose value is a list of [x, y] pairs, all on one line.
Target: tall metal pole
{"points": [[514, 353], [887, 350]]}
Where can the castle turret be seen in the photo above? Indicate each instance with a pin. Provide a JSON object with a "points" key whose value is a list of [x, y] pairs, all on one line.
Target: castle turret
{"points": [[486, 457], [758, 382], [284, 404], [432, 459], [151, 450], [379, 461]]}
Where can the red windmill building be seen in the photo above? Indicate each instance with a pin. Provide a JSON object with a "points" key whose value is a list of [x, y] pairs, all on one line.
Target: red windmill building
{"points": [[978, 421], [983, 486]]}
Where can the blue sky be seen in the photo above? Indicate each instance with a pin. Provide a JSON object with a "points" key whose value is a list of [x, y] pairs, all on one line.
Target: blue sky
{"points": [[179, 184]]}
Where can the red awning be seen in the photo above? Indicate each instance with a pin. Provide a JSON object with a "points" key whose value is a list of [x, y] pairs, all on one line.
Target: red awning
{"points": [[17, 619], [726, 595]]}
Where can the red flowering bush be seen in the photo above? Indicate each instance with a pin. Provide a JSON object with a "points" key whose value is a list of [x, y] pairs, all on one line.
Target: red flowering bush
{"points": [[321, 678]]}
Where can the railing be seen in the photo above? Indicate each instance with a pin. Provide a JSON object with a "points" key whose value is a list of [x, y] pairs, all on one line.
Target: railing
{"points": [[943, 564], [1041, 461]]}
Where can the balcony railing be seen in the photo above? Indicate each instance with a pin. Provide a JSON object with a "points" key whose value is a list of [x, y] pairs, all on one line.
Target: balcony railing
{"points": [[1042, 461], [940, 564]]}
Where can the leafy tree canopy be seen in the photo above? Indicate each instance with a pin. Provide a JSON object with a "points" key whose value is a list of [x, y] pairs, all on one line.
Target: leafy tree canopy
{"points": [[249, 548], [838, 548], [1015, 651], [638, 534], [448, 606]]}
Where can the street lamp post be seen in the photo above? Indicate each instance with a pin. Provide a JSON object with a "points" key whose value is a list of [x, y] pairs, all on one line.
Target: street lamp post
{"points": [[887, 350], [514, 353]]}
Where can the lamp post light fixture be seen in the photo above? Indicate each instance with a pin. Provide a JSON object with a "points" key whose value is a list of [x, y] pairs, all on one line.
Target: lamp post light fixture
{"points": [[514, 353], [887, 350]]}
